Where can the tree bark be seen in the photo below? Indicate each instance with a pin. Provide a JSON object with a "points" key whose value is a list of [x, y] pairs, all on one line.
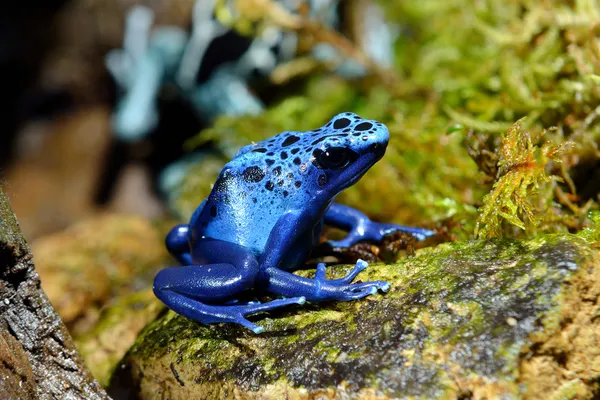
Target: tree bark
{"points": [[37, 357]]}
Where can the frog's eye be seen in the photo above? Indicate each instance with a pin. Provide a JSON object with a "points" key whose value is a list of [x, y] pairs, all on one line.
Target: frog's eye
{"points": [[333, 158]]}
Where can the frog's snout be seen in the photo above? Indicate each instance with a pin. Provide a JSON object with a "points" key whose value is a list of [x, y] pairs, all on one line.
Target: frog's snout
{"points": [[382, 135], [379, 140], [379, 146]]}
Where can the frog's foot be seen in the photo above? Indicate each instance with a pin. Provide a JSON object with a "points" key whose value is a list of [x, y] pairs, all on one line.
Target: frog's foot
{"points": [[375, 231], [360, 227], [321, 289], [322, 270], [338, 290], [209, 314], [386, 229]]}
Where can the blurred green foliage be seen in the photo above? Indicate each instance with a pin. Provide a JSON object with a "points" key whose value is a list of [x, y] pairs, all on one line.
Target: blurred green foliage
{"points": [[483, 64]]}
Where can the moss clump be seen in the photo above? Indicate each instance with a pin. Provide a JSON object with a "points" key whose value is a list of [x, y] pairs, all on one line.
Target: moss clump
{"points": [[592, 231], [515, 196], [496, 62], [461, 318]]}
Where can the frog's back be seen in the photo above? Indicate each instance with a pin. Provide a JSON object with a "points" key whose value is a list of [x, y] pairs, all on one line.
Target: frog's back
{"points": [[255, 189], [282, 174], [239, 212]]}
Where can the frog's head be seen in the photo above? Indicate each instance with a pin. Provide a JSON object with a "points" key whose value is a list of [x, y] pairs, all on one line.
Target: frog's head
{"points": [[299, 166], [344, 149]]}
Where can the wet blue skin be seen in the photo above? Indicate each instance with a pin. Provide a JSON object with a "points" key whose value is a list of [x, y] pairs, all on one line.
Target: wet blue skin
{"points": [[264, 216]]}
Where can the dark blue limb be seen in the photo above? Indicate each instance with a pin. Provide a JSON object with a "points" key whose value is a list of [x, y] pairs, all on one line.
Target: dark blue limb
{"points": [[177, 242], [229, 270], [209, 314], [322, 271], [360, 227], [321, 289], [284, 283]]}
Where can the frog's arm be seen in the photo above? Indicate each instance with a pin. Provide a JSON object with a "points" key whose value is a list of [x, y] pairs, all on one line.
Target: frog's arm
{"points": [[178, 242], [360, 227], [275, 280]]}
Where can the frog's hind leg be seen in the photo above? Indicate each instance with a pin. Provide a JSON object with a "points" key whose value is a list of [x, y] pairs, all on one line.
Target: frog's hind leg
{"points": [[183, 289], [208, 314], [199, 291], [360, 227]]}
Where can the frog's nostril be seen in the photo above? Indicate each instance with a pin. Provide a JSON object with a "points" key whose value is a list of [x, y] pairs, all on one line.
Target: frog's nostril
{"points": [[376, 147]]}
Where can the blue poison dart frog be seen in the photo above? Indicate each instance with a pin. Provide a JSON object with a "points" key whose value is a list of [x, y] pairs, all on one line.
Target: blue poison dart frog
{"points": [[264, 216]]}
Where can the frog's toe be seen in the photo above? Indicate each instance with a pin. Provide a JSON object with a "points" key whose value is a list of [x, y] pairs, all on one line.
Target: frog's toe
{"points": [[378, 285], [419, 233], [247, 324], [359, 293], [360, 290], [258, 329], [321, 272], [254, 307], [341, 244], [360, 266]]}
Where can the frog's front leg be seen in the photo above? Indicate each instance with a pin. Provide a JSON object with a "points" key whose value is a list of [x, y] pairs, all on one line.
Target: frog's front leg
{"points": [[178, 243], [178, 238], [199, 291], [281, 282], [360, 227]]}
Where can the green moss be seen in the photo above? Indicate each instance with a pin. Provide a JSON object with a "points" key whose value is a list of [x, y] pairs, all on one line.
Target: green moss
{"points": [[592, 232], [521, 194], [484, 66]]}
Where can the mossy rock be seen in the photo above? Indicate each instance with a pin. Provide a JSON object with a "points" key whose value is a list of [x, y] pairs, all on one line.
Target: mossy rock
{"points": [[98, 260], [483, 319], [118, 325]]}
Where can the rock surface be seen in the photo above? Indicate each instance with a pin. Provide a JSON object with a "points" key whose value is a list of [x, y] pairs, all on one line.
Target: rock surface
{"points": [[103, 346], [86, 266], [480, 319], [37, 357]]}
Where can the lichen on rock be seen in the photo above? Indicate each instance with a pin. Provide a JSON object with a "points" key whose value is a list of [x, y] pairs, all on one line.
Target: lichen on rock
{"points": [[464, 319]]}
